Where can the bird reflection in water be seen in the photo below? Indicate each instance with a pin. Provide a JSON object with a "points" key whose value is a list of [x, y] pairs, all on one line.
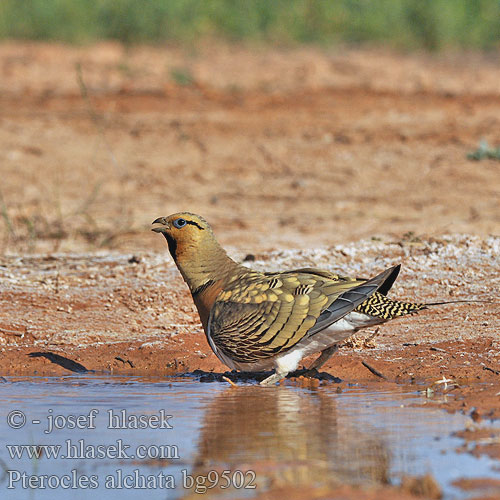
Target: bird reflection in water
{"points": [[290, 438]]}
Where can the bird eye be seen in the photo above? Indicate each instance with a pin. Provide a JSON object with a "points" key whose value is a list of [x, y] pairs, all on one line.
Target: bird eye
{"points": [[179, 223]]}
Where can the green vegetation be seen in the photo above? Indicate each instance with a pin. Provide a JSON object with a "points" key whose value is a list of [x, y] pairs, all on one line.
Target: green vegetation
{"points": [[429, 24], [484, 152], [182, 76]]}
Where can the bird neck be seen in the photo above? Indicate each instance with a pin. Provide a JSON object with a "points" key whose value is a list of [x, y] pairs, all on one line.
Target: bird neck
{"points": [[203, 266]]}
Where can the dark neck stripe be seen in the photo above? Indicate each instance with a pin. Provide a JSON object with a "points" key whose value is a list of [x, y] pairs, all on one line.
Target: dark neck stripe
{"points": [[203, 287]]}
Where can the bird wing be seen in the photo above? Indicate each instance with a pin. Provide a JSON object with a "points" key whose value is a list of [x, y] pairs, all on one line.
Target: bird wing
{"points": [[259, 316], [383, 289], [319, 272]]}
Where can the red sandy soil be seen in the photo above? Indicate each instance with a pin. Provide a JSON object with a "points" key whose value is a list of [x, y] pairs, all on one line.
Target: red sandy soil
{"points": [[490, 488]]}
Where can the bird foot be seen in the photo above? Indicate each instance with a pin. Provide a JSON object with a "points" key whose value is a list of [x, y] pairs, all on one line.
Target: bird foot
{"points": [[272, 379], [310, 373], [314, 373]]}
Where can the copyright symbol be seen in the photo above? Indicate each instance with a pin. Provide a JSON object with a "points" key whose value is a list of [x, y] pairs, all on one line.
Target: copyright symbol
{"points": [[16, 419]]}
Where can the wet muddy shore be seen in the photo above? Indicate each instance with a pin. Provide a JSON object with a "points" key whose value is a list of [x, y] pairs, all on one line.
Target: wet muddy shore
{"points": [[132, 314]]}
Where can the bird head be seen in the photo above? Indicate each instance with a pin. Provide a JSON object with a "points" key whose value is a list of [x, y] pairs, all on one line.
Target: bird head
{"points": [[193, 247], [184, 231]]}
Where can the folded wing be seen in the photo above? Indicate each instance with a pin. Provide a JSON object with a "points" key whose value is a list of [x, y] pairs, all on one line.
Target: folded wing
{"points": [[262, 316]]}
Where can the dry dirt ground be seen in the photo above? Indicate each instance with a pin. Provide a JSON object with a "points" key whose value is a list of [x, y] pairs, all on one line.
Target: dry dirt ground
{"points": [[352, 160], [277, 148]]}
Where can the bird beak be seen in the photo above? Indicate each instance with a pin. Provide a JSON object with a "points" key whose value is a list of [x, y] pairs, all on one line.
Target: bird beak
{"points": [[160, 225]]}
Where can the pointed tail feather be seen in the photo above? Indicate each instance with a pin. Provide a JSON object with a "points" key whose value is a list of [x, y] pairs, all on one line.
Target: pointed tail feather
{"points": [[459, 301]]}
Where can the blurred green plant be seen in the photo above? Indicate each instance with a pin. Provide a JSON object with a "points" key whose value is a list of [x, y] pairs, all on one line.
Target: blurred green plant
{"points": [[428, 24], [484, 152], [182, 76]]}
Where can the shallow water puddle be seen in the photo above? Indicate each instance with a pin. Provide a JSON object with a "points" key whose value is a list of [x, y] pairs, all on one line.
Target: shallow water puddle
{"points": [[115, 435]]}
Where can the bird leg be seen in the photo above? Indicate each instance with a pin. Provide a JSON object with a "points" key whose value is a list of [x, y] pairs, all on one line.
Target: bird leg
{"points": [[282, 371], [283, 365], [325, 355]]}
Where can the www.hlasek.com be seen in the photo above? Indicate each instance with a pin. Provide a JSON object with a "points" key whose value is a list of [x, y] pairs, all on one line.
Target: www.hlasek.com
{"points": [[79, 449]]}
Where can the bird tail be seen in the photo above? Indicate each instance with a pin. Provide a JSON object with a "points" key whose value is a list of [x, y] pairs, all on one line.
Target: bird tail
{"points": [[380, 306]]}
